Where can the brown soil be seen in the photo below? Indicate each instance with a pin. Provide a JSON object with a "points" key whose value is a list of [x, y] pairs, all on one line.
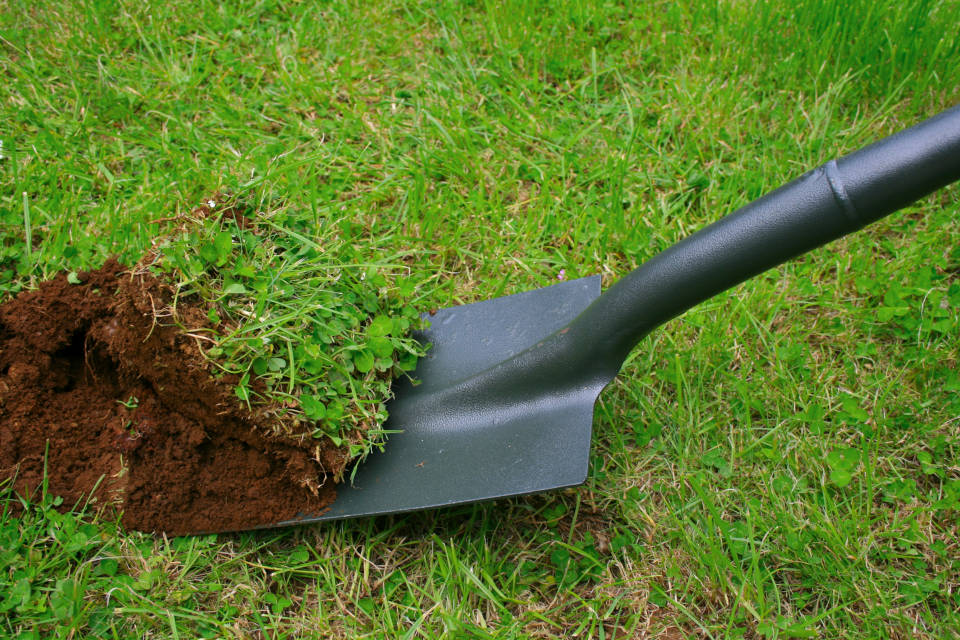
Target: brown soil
{"points": [[184, 457]]}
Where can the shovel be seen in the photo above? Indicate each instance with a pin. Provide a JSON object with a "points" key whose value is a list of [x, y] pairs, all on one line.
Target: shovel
{"points": [[504, 404]]}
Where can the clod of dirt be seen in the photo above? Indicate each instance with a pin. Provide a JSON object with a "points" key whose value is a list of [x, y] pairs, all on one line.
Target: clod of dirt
{"points": [[114, 402]]}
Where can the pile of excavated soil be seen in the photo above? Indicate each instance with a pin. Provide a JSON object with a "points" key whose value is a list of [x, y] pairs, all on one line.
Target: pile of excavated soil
{"points": [[114, 402]]}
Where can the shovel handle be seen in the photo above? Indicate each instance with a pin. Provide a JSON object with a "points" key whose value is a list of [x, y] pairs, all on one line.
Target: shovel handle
{"points": [[831, 201]]}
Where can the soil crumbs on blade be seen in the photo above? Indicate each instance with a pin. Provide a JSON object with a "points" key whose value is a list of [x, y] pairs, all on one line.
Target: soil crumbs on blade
{"points": [[111, 401]]}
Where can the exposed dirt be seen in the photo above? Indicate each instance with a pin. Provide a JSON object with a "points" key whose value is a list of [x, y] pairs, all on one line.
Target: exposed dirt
{"points": [[117, 402]]}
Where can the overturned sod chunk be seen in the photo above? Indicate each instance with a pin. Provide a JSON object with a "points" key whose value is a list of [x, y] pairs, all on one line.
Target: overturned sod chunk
{"points": [[311, 329], [225, 382]]}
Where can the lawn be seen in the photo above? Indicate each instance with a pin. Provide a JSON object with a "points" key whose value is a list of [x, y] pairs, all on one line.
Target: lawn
{"points": [[782, 461]]}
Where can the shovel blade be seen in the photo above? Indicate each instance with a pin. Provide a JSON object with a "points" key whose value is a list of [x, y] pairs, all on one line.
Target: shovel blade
{"points": [[482, 453]]}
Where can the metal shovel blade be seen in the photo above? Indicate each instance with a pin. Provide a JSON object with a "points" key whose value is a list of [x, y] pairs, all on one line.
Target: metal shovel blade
{"points": [[440, 458]]}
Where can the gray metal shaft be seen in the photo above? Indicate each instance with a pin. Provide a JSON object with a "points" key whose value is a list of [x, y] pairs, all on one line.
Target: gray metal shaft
{"points": [[831, 201]]}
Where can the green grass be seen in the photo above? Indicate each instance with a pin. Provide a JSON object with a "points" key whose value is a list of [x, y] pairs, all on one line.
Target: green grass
{"points": [[308, 324], [779, 462]]}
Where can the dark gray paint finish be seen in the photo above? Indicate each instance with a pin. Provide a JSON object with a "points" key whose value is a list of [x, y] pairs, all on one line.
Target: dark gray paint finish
{"points": [[507, 398]]}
